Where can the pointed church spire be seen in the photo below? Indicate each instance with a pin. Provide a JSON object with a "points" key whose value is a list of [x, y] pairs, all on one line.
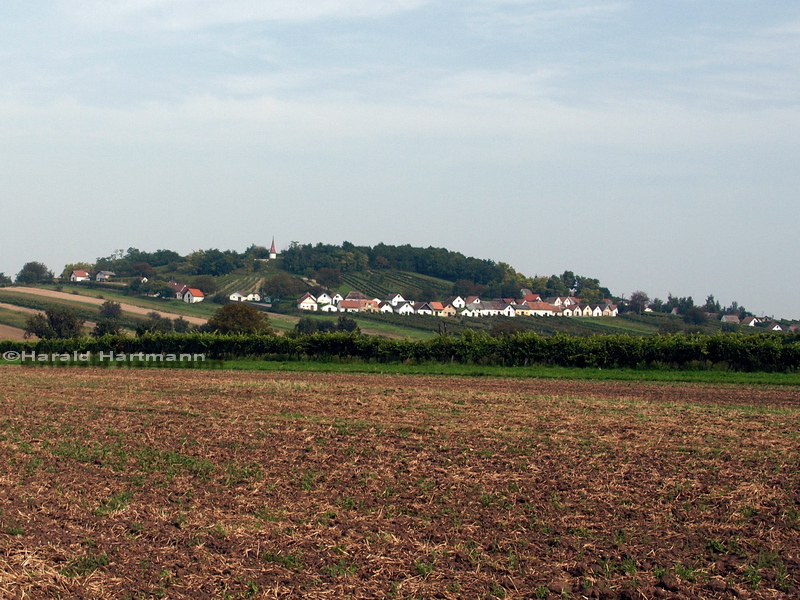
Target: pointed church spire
{"points": [[273, 253]]}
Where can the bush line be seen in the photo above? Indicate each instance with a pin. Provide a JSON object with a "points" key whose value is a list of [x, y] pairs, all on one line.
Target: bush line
{"points": [[739, 352]]}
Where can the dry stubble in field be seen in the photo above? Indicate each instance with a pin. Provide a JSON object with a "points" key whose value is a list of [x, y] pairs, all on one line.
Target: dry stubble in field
{"points": [[174, 484]]}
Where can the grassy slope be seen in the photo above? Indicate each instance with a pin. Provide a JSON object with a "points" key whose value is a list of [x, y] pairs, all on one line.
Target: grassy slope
{"points": [[12, 318], [655, 375]]}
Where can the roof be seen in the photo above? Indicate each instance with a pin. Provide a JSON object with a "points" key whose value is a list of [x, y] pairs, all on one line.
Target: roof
{"points": [[195, 292], [80, 273], [350, 304]]}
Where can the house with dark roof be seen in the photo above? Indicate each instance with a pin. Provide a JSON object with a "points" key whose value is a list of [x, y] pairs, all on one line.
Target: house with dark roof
{"points": [[104, 275]]}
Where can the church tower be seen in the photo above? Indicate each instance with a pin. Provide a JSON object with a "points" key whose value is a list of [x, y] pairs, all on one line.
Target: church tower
{"points": [[273, 253]]}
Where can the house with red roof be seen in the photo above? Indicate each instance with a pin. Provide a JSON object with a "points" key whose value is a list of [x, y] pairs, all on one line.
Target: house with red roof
{"points": [[79, 275], [193, 295]]}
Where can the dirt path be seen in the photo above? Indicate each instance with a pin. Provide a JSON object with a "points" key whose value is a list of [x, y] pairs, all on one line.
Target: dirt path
{"points": [[11, 333], [130, 308], [22, 309]]}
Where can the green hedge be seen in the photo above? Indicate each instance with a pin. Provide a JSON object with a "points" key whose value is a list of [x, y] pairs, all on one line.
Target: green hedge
{"points": [[765, 352]]}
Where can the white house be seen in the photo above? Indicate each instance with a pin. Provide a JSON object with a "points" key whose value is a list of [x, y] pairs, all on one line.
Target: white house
{"points": [[178, 289], [307, 302], [509, 311], [237, 297], [610, 310], [456, 302], [328, 308], [79, 275], [324, 298], [490, 308], [193, 295], [350, 305], [422, 308], [542, 309], [395, 299], [104, 275], [404, 309]]}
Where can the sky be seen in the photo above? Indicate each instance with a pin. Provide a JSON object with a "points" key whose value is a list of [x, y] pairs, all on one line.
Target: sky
{"points": [[651, 145]]}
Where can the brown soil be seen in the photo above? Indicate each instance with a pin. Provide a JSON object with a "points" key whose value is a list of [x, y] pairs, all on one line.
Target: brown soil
{"points": [[130, 308], [11, 333], [186, 484], [22, 309]]}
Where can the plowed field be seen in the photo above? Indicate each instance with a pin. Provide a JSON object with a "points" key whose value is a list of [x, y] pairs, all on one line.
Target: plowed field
{"points": [[194, 484]]}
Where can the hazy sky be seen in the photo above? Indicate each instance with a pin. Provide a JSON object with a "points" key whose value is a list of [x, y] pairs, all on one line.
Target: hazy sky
{"points": [[650, 144]]}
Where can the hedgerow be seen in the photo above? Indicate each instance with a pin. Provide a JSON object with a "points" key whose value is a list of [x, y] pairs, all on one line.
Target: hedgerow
{"points": [[765, 352]]}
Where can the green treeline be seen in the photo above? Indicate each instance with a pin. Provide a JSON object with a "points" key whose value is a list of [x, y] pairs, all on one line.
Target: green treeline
{"points": [[759, 352], [435, 262]]}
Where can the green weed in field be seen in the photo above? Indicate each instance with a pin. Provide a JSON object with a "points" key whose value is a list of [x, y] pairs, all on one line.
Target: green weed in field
{"points": [[113, 503]]}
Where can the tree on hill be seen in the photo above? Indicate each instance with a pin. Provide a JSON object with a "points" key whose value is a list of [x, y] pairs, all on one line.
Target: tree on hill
{"points": [[345, 323], [712, 305], [695, 315], [157, 288], [590, 291], [4, 279], [328, 278], [143, 269], [181, 325], [214, 262], [110, 310], [155, 323], [34, 272], [68, 269], [106, 327], [205, 283], [56, 322], [657, 305], [682, 304], [638, 301], [282, 285], [238, 317], [465, 288]]}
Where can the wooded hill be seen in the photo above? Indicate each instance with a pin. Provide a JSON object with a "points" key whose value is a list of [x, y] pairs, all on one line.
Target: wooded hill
{"points": [[416, 273]]}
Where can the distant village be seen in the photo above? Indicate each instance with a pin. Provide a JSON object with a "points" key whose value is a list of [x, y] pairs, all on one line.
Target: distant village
{"points": [[528, 305]]}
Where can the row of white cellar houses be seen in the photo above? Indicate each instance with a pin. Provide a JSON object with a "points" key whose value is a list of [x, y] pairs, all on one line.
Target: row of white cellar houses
{"points": [[472, 306]]}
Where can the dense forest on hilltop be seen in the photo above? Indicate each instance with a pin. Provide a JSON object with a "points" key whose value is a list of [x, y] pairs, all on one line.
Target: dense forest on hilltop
{"points": [[470, 275]]}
